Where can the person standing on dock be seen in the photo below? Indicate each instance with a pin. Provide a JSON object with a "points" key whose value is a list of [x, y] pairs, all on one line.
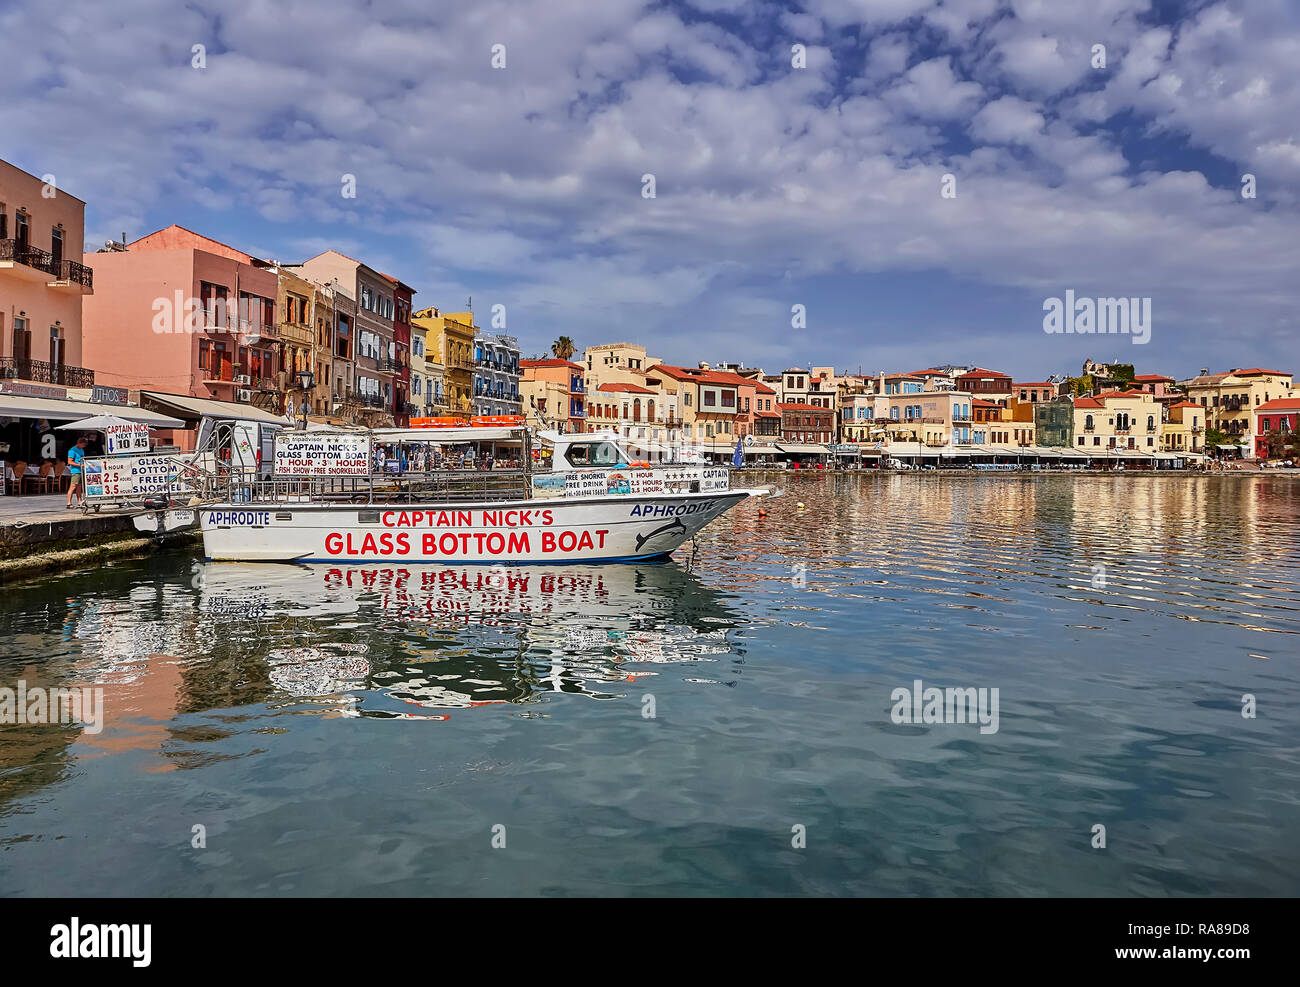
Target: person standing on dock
{"points": [[75, 455]]}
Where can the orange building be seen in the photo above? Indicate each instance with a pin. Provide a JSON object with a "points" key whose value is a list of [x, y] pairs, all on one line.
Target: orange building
{"points": [[561, 390]]}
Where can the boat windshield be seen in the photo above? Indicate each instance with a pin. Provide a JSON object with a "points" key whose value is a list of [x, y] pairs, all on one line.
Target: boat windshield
{"points": [[582, 454]]}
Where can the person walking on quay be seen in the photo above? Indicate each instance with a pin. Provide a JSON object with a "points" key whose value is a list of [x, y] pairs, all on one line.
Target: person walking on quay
{"points": [[75, 455]]}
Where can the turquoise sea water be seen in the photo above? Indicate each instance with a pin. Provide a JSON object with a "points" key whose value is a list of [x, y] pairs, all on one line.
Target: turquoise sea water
{"points": [[675, 728]]}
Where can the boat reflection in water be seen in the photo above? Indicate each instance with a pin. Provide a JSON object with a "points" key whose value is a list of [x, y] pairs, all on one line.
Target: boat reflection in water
{"points": [[415, 642]]}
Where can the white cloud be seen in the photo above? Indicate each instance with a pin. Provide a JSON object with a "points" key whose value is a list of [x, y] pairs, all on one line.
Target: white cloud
{"points": [[1007, 120], [526, 182], [931, 90]]}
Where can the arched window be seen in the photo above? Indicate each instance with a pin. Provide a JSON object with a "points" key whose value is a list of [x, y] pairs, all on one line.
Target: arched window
{"points": [[1087, 423], [1151, 423]]}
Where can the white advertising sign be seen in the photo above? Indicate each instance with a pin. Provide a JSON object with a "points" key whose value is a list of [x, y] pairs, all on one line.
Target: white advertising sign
{"points": [[132, 477], [629, 481], [322, 455], [715, 479], [124, 439]]}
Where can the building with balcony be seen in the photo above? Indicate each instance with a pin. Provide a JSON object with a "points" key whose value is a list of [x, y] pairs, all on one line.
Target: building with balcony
{"points": [[1277, 429], [806, 423], [42, 282], [427, 381], [545, 403], [180, 312], [342, 380], [936, 378], [628, 408], [1118, 420], [1229, 399], [449, 338], [893, 384], [496, 374], [991, 385], [1183, 430], [296, 305], [857, 416], [377, 369], [934, 418], [538, 380], [403, 406], [824, 387], [710, 402]]}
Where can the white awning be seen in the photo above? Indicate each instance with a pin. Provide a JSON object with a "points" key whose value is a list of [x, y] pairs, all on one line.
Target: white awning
{"points": [[448, 436], [800, 449], [196, 408], [761, 450], [19, 406]]}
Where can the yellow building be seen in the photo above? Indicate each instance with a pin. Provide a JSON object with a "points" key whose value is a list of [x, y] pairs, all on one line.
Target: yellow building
{"points": [[1183, 429], [1013, 424], [1228, 400], [449, 339], [1115, 420]]}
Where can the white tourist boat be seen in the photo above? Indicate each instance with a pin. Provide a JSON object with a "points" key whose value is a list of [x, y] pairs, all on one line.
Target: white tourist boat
{"points": [[473, 494]]}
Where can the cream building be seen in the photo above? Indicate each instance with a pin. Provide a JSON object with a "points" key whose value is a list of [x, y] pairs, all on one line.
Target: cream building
{"points": [[1118, 420], [427, 381], [1229, 399], [545, 402], [622, 373]]}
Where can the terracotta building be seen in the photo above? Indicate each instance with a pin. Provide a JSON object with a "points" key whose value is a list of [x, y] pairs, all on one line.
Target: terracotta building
{"points": [[42, 281], [180, 312]]}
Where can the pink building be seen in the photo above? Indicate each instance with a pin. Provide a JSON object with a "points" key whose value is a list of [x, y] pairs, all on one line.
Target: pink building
{"points": [[181, 313], [42, 281]]}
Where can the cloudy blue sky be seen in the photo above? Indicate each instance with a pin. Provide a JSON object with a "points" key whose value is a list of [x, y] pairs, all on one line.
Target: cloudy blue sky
{"points": [[775, 185]]}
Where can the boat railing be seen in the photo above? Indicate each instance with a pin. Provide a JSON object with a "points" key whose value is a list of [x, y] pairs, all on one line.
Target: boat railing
{"points": [[431, 485]]}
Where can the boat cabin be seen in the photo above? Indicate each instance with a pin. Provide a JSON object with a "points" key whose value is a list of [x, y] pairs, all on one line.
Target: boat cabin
{"points": [[583, 450]]}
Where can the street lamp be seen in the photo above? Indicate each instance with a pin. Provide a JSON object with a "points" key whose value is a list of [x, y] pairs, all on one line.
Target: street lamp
{"points": [[306, 381]]}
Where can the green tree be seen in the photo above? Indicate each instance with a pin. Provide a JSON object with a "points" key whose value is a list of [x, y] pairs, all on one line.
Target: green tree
{"points": [[563, 347], [1283, 444]]}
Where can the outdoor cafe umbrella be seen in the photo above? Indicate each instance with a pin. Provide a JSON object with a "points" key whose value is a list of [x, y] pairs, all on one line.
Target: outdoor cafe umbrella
{"points": [[97, 424], [101, 423]]}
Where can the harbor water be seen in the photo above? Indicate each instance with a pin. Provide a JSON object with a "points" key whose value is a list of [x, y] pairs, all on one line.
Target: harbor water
{"points": [[726, 723]]}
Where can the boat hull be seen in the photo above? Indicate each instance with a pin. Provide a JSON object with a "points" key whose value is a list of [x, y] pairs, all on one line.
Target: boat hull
{"points": [[569, 529]]}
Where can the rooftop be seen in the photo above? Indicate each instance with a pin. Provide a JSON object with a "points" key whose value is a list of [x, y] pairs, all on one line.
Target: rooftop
{"points": [[550, 362]]}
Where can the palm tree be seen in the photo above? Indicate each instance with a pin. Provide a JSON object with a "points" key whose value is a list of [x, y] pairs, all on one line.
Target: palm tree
{"points": [[563, 347]]}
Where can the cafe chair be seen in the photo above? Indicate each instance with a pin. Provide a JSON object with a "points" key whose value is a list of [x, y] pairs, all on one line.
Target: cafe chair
{"points": [[42, 480]]}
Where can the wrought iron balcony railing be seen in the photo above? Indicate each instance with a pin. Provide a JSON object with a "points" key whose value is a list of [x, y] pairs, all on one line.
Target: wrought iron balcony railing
{"points": [[46, 373], [29, 256]]}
